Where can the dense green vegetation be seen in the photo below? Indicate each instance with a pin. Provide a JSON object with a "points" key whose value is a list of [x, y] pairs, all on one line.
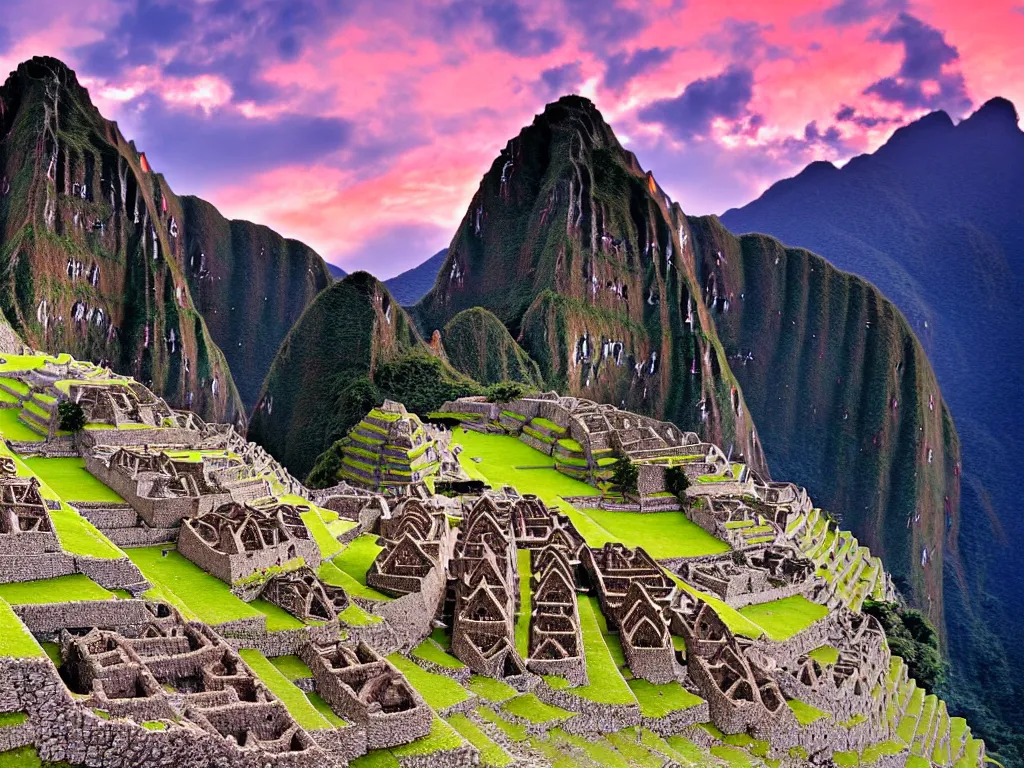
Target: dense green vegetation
{"points": [[326, 372], [478, 344], [71, 417], [913, 638]]}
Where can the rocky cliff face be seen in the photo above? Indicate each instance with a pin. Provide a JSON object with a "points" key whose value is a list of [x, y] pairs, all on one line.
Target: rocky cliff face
{"points": [[92, 246], [622, 298], [590, 265], [250, 284]]}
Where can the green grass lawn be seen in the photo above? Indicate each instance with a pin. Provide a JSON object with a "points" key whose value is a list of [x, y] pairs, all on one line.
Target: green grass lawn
{"points": [[781, 619], [206, 596], [61, 589], [529, 707], [291, 667], [662, 534], [15, 640], [439, 691], [491, 689], [328, 545], [301, 708], [70, 480], [490, 753], [336, 577], [429, 650], [660, 700], [804, 712], [357, 557], [501, 455], [12, 428], [525, 603], [825, 655], [606, 685]]}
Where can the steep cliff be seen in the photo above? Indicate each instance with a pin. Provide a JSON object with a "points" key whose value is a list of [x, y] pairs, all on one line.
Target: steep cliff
{"points": [[412, 285], [250, 284], [935, 219], [590, 266], [477, 344], [354, 343], [620, 297], [91, 247]]}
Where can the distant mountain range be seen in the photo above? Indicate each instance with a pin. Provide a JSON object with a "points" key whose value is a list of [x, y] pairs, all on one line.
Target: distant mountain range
{"points": [[413, 284], [935, 218]]}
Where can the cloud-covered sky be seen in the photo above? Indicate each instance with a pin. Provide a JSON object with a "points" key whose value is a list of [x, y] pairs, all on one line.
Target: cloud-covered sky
{"points": [[363, 126]]}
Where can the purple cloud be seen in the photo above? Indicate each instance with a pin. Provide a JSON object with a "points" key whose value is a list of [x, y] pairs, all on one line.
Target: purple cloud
{"points": [[847, 12], [926, 60], [196, 149], [604, 23], [558, 81], [690, 114], [234, 39], [620, 68], [506, 23], [745, 41]]}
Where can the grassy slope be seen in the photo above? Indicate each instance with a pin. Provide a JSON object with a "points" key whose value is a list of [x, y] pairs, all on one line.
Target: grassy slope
{"points": [[134, 290]]}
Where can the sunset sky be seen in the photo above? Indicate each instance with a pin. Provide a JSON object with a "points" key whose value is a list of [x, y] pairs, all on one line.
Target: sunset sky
{"points": [[362, 127]]}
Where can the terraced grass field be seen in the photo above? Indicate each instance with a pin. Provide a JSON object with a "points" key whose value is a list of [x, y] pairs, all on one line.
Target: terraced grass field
{"points": [[70, 480]]}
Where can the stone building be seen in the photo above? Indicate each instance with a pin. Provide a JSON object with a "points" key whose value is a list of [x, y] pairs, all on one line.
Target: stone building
{"points": [[365, 688], [486, 578], [304, 595], [163, 490], [614, 567], [556, 640], [25, 525], [758, 576], [418, 540], [235, 540], [645, 638], [175, 672]]}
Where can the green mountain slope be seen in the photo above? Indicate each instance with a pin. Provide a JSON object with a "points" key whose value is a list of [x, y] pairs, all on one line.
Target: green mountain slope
{"points": [[579, 252], [250, 284], [477, 344], [353, 344], [843, 396], [572, 246]]}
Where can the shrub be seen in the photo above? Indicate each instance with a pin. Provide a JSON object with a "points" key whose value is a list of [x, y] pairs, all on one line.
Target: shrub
{"points": [[506, 391], [71, 415], [913, 638], [676, 481]]}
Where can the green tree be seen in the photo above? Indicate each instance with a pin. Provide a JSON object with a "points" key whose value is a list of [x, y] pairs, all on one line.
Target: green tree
{"points": [[625, 475], [71, 416], [354, 401]]}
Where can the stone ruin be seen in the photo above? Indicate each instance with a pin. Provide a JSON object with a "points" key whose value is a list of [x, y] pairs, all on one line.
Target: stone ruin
{"points": [[120, 403], [486, 576], [645, 638], [418, 541], [25, 525], [556, 640], [741, 695], [367, 689], [236, 541], [179, 673], [164, 490], [613, 568], [303, 594], [759, 576]]}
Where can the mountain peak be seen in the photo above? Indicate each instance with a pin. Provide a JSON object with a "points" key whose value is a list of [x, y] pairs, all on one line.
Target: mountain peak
{"points": [[40, 67], [995, 111]]}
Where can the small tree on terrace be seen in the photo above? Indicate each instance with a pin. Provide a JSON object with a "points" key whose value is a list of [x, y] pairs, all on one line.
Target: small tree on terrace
{"points": [[625, 475], [506, 391], [71, 416]]}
